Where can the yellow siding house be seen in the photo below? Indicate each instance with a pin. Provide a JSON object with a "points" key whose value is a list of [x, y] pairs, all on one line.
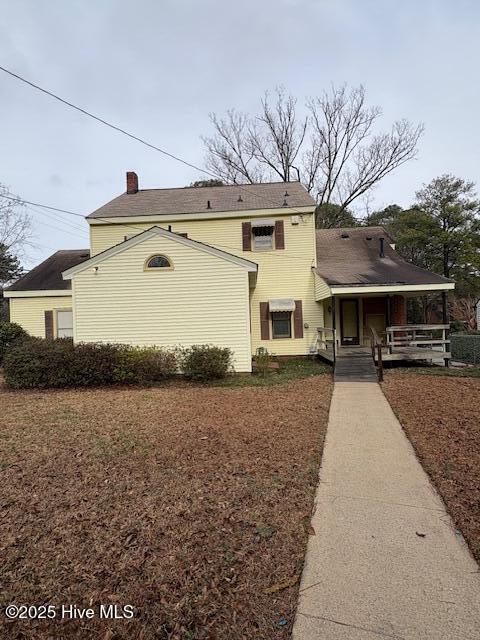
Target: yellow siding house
{"points": [[240, 266]]}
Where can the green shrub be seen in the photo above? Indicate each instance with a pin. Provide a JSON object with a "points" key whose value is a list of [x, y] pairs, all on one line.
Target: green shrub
{"points": [[36, 363], [92, 364], [205, 362], [146, 365], [10, 333]]}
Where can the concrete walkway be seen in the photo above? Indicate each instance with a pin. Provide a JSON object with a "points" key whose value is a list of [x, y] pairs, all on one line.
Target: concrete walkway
{"points": [[385, 561]]}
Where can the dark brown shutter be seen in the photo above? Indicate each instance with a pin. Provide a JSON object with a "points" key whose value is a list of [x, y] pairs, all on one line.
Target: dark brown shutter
{"points": [[264, 321], [279, 235], [247, 236], [298, 320], [48, 325]]}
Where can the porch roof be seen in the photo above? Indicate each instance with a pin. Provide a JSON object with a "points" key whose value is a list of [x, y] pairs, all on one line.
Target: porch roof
{"points": [[351, 258]]}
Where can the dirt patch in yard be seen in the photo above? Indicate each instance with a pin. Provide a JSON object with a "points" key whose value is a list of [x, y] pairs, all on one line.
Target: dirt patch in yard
{"points": [[190, 504], [441, 416]]}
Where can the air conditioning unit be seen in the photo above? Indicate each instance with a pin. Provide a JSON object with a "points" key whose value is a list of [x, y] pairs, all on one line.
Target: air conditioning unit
{"points": [[295, 219]]}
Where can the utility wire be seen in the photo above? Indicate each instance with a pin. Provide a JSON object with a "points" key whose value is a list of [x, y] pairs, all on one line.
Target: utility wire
{"points": [[37, 204], [132, 135], [70, 229]]}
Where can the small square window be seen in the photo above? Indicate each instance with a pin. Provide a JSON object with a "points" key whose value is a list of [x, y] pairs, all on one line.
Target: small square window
{"points": [[282, 324], [262, 238]]}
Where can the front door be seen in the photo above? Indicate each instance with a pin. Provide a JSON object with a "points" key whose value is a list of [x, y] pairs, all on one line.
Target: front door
{"points": [[349, 325]]}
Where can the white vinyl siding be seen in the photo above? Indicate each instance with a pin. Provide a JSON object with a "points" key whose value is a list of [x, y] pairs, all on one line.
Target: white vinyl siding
{"points": [[30, 312], [204, 299], [286, 273]]}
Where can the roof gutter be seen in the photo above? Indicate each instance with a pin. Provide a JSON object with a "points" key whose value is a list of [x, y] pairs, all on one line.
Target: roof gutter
{"points": [[203, 215], [390, 288]]}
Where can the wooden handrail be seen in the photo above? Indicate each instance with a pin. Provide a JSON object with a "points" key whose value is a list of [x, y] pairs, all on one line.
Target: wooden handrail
{"points": [[417, 327], [377, 346], [324, 342]]}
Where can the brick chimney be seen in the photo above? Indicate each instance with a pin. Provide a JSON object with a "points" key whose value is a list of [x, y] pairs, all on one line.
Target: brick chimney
{"points": [[132, 182]]}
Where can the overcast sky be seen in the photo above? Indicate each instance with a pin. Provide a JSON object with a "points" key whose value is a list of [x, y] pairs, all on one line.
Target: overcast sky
{"points": [[158, 67]]}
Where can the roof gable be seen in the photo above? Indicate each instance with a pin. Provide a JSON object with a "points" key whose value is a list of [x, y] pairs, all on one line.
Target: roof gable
{"points": [[174, 237]]}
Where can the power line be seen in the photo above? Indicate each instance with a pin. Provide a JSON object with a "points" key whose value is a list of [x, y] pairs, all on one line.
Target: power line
{"points": [[57, 217], [67, 228], [131, 135], [37, 204]]}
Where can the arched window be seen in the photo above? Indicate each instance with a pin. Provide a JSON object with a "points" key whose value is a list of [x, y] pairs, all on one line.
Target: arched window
{"points": [[158, 262]]}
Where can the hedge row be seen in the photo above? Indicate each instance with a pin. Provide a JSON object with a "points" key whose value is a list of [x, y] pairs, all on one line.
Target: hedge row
{"points": [[465, 347], [35, 363], [10, 333]]}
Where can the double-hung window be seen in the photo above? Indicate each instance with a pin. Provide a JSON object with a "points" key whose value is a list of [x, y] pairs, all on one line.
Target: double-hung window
{"points": [[64, 323], [263, 235], [282, 324]]}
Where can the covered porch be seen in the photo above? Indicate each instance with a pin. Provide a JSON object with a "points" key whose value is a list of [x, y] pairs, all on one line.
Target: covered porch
{"points": [[377, 324], [364, 285]]}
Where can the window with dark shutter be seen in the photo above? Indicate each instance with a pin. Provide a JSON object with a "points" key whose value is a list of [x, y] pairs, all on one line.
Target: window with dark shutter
{"points": [[279, 235], [264, 321], [282, 324], [247, 236], [298, 320], [48, 325]]}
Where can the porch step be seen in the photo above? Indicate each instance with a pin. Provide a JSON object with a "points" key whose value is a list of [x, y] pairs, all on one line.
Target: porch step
{"points": [[355, 367]]}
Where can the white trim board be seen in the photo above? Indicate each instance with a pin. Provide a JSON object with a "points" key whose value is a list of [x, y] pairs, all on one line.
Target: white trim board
{"points": [[151, 233], [387, 288], [45, 293], [203, 215]]}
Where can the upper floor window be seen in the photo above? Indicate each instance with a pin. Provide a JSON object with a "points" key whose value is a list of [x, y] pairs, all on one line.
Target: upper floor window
{"points": [[158, 262], [263, 238], [263, 235]]}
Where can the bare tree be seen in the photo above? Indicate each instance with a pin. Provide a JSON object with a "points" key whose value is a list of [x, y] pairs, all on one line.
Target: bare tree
{"points": [[15, 223], [333, 149], [229, 151], [276, 136], [464, 309]]}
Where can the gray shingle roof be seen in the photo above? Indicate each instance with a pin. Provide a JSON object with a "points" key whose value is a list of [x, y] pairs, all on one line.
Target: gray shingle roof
{"points": [[147, 202], [48, 274], [355, 260]]}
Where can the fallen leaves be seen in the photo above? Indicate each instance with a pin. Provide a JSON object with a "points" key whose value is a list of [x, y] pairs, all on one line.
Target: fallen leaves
{"points": [[186, 503], [280, 586]]}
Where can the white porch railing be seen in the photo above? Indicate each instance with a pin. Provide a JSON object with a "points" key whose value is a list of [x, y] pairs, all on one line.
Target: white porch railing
{"points": [[327, 342], [417, 336]]}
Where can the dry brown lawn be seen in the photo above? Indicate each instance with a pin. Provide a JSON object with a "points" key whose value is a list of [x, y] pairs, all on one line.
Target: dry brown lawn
{"points": [[187, 503], [441, 416]]}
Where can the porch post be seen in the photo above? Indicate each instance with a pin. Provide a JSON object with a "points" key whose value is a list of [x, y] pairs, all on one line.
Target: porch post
{"points": [[334, 327], [446, 320], [389, 310]]}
